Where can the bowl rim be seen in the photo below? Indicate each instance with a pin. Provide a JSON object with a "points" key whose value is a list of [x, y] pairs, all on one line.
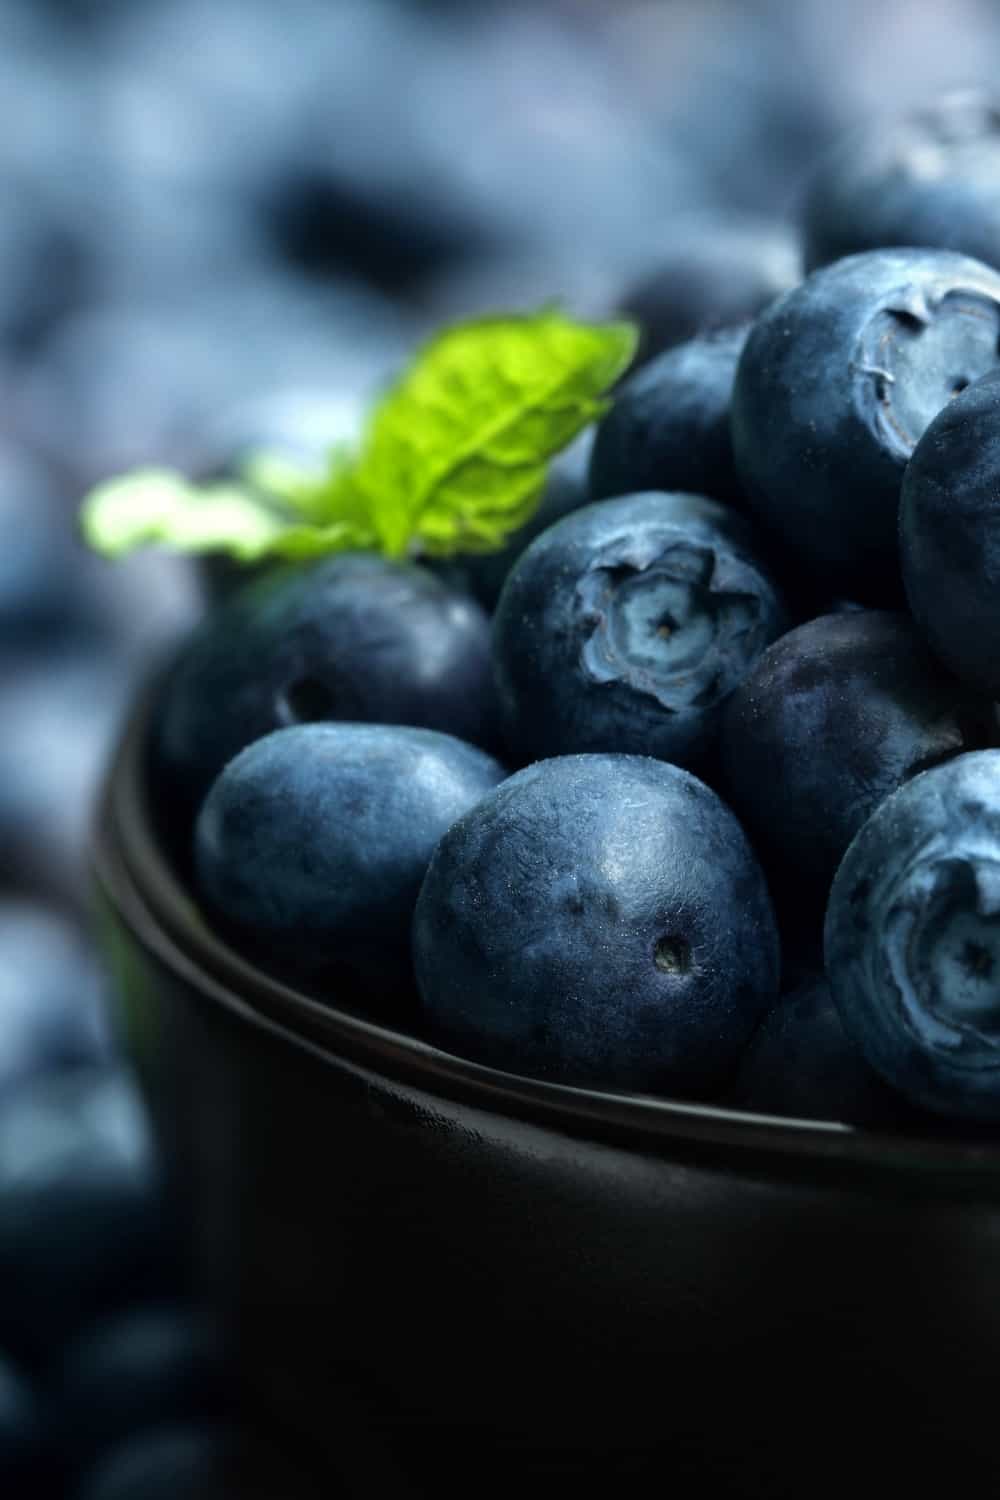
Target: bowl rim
{"points": [[136, 877]]}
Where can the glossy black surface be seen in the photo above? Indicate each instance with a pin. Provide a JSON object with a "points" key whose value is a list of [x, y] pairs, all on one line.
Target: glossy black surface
{"points": [[541, 1282]]}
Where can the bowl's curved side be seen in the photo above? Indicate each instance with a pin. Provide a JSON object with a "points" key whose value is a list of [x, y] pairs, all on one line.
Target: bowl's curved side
{"points": [[540, 1281]]}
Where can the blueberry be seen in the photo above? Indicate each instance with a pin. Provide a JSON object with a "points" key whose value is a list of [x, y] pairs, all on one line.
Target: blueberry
{"points": [[913, 938], [802, 1063], [713, 275], [949, 527], [163, 1464], [312, 844], [627, 624], [151, 1365], [836, 384], [597, 919], [832, 718], [52, 995], [22, 1431], [83, 1223], [930, 177], [669, 426], [352, 637], [39, 587], [60, 715]]}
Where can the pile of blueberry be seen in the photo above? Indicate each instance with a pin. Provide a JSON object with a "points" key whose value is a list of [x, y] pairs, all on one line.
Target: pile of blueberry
{"points": [[695, 791]]}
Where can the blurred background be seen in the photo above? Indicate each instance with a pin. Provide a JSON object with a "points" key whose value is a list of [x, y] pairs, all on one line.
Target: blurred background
{"points": [[222, 218]]}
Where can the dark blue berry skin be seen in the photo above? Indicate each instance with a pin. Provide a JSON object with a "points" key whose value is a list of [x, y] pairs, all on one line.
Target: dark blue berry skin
{"points": [[353, 637], [949, 532], [669, 426], [802, 1063], [598, 919], [714, 275], [84, 1226], [52, 996], [151, 1365], [912, 939], [625, 626], [832, 718], [837, 383], [164, 1464], [930, 178], [311, 846]]}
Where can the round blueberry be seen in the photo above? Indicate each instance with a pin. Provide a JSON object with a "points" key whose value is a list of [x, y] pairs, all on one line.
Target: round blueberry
{"points": [[913, 938], [832, 718], [39, 585], [837, 383], [713, 275], [52, 995], [153, 1364], [668, 428], [626, 625], [802, 1063], [949, 529], [311, 846], [83, 1222], [352, 637], [598, 919], [930, 177], [22, 1431]]}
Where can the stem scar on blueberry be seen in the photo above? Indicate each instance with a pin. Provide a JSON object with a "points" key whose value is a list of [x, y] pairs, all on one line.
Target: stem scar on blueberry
{"points": [[672, 955]]}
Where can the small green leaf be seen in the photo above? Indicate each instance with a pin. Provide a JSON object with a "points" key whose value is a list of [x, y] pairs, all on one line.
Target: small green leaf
{"points": [[454, 458], [455, 455], [158, 505]]}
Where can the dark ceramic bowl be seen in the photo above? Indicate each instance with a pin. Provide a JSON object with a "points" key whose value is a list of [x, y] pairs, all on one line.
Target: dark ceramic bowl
{"points": [[513, 1283]]}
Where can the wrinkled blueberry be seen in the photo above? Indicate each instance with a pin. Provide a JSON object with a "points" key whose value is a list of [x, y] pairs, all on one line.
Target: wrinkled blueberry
{"points": [[669, 426], [714, 275], [931, 177], [597, 919], [52, 995], [802, 1063], [913, 938], [151, 1365], [83, 1223], [949, 530], [837, 383], [832, 718], [626, 626], [312, 844], [352, 637]]}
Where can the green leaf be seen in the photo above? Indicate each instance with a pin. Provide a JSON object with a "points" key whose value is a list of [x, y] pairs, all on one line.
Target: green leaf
{"points": [[158, 505], [455, 455], [454, 458]]}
